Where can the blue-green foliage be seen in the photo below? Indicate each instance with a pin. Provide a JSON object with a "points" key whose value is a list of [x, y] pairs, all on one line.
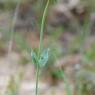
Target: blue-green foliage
{"points": [[42, 60]]}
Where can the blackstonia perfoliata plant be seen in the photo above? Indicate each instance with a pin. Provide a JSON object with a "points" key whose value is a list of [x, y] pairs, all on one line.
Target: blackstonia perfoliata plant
{"points": [[41, 57]]}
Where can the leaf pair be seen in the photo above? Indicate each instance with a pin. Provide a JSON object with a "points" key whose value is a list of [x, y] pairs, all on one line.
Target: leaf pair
{"points": [[42, 59]]}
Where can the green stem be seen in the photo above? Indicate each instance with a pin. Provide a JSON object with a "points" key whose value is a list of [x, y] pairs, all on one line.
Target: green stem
{"points": [[42, 27], [41, 44], [68, 89], [37, 79]]}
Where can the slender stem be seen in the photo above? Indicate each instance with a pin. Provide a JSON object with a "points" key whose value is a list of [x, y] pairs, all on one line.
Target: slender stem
{"points": [[12, 28], [68, 89], [84, 34], [41, 44], [37, 79], [42, 26]]}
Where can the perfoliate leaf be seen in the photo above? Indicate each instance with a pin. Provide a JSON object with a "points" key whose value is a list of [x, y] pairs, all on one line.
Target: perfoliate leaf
{"points": [[44, 58], [34, 57]]}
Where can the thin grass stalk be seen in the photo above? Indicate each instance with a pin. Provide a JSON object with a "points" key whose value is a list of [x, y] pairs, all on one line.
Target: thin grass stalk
{"points": [[12, 28], [84, 34], [67, 87]]}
